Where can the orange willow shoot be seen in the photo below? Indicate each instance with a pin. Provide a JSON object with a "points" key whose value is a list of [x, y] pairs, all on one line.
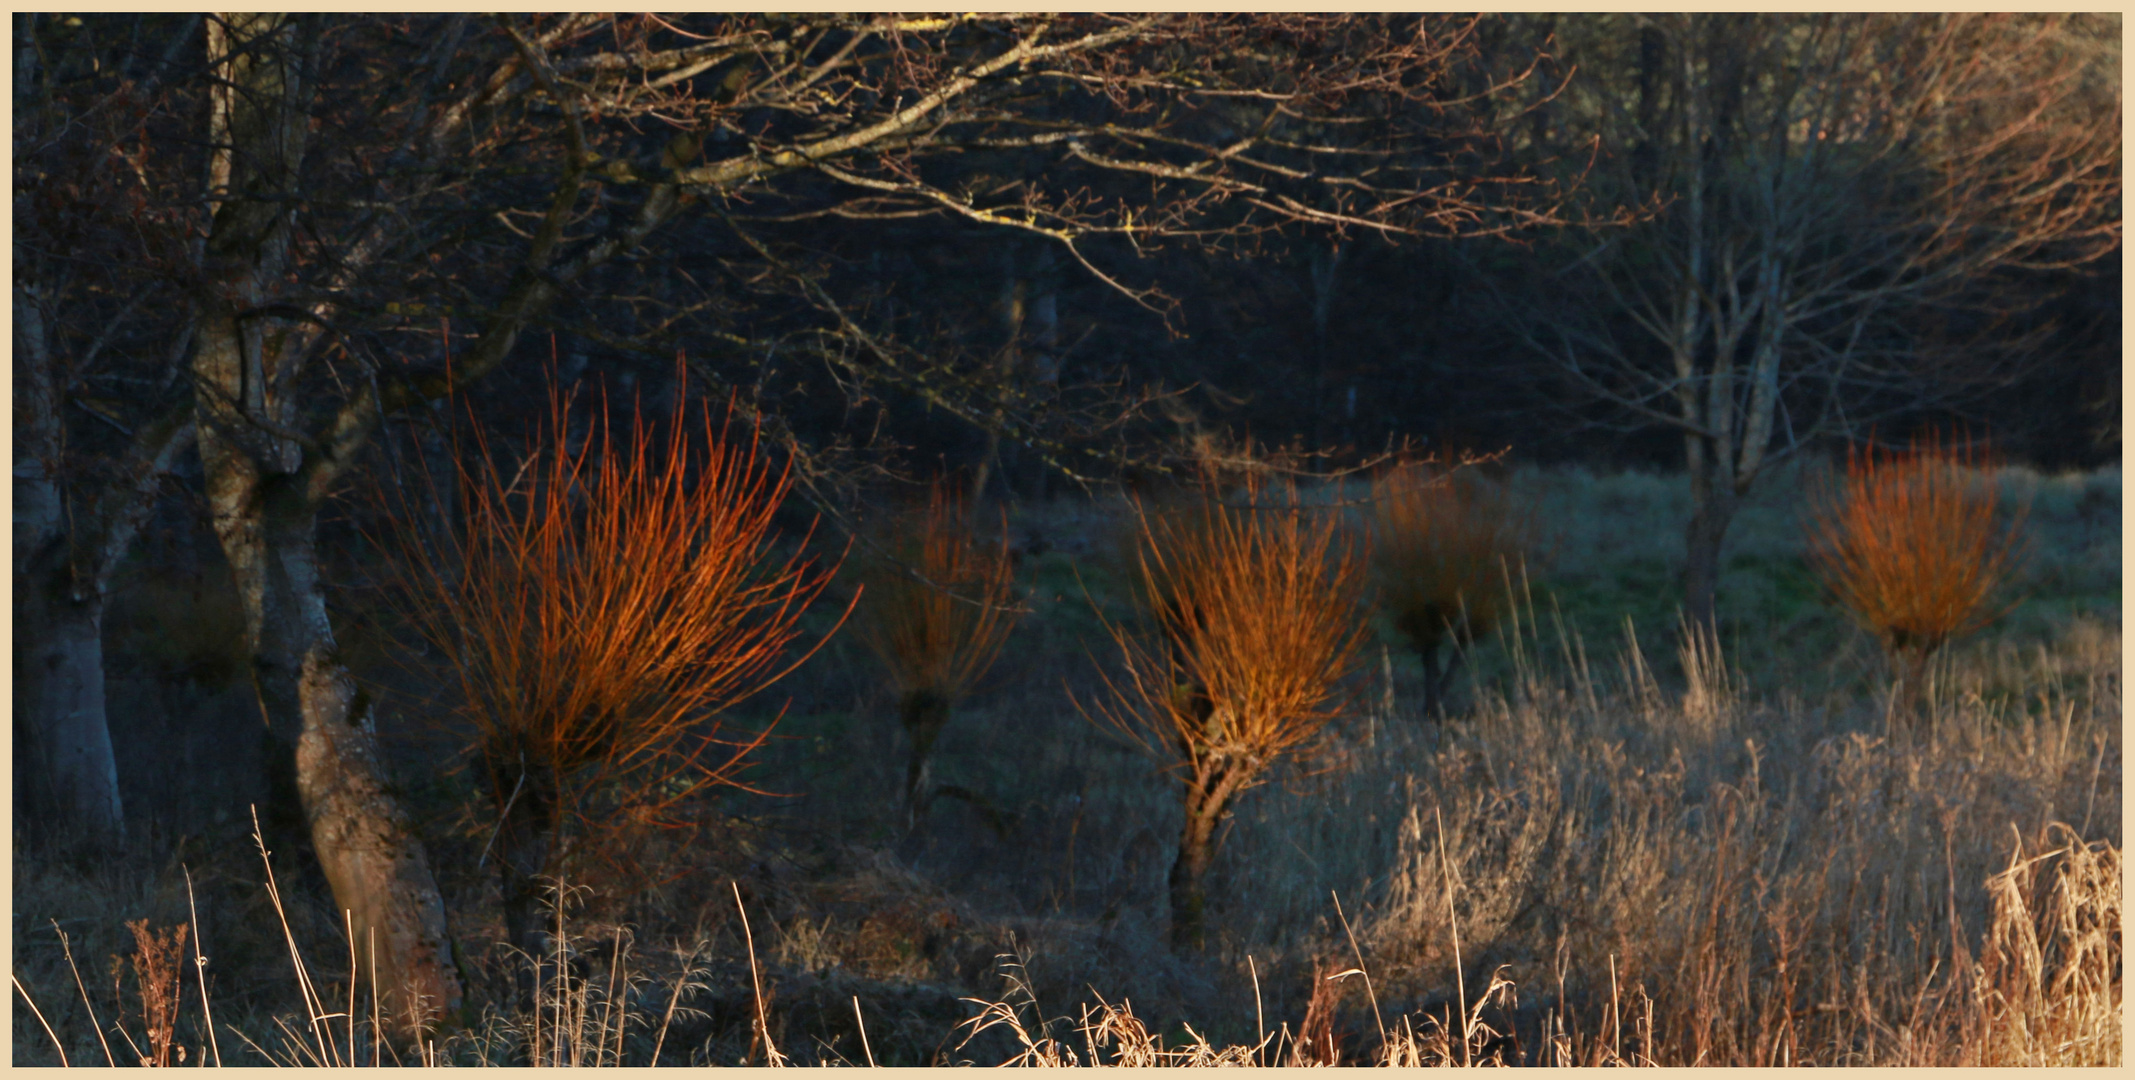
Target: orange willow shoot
{"points": [[937, 613], [1441, 542], [600, 609], [1910, 545], [1256, 617]]}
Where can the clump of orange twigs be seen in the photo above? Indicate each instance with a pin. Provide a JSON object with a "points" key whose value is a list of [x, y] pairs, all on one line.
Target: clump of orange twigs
{"points": [[938, 608], [1443, 542], [598, 609], [1914, 544], [1256, 616]]}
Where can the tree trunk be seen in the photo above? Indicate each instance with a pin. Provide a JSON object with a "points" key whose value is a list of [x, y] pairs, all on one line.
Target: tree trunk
{"points": [[363, 839], [1324, 269], [1015, 291], [1712, 511], [246, 365], [72, 779], [367, 846], [66, 546], [1910, 692], [526, 838], [925, 713], [1189, 899], [1438, 677]]}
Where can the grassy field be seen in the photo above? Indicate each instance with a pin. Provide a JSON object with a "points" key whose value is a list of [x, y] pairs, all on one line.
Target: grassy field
{"points": [[1609, 852]]}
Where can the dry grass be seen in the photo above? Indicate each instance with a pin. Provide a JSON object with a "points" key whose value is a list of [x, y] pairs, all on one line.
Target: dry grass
{"points": [[2047, 989], [1442, 542], [1720, 865], [1255, 611], [598, 611], [1912, 545], [155, 961], [936, 612]]}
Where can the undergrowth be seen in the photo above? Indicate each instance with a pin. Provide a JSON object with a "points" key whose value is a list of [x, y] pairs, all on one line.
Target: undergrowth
{"points": [[1623, 850]]}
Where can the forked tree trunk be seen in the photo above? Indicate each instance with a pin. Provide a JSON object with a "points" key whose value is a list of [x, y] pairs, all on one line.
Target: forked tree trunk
{"points": [[64, 552], [265, 514], [1208, 797]]}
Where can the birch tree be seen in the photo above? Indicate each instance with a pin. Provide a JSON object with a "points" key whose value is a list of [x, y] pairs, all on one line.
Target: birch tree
{"points": [[1824, 186]]}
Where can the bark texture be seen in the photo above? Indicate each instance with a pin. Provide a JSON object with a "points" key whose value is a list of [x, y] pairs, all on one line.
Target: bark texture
{"points": [[1189, 899], [368, 848], [1216, 782], [264, 506]]}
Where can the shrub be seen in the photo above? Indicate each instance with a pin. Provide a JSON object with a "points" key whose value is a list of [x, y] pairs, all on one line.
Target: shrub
{"points": [[1441, 544], [1255, 615], [1911, 544], [937, 611], [597, 611]]}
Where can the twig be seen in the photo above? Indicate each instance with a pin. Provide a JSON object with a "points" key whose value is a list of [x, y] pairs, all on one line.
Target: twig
{"points": [[763, 1029], [68, 948], [862, 1021], [681, 983], [371, 934], [200, 968], [19, 988], [502, 814], [296, 959], [1460, 974], [348, 930], [1373, 994]]}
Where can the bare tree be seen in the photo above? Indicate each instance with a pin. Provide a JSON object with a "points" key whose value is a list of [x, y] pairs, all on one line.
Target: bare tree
{"points": [[99, 415], [378, 208], [1830, 190]]}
